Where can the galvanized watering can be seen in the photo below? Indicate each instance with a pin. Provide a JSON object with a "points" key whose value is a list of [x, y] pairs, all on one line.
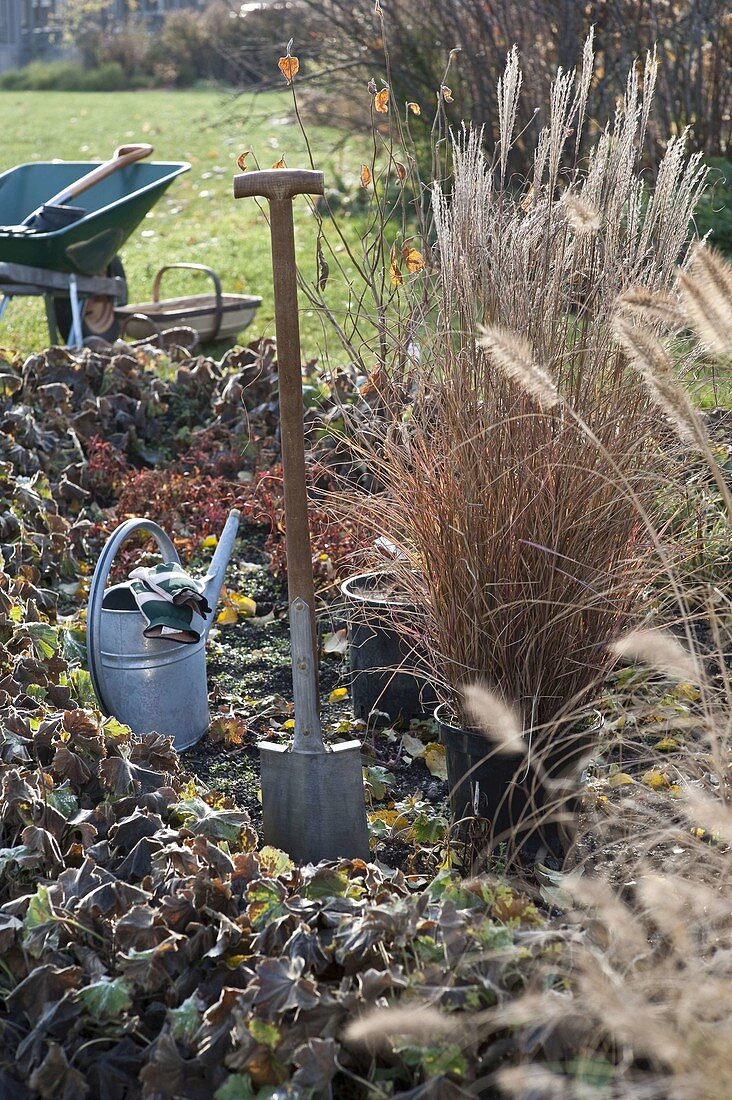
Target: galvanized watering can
{"points": [[151, 684]]}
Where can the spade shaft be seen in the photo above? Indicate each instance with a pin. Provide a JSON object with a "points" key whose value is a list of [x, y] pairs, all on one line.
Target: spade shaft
{"points": [[312, 795], [279, 186]]}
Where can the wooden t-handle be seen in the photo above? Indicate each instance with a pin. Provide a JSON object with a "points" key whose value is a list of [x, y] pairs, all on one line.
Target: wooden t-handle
{"points": [[277, 184]]}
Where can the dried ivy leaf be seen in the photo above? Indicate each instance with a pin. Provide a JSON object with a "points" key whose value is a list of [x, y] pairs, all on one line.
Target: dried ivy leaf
{"points": [[279, 986], [55, 1079], [317, 1062], [274, 862]]}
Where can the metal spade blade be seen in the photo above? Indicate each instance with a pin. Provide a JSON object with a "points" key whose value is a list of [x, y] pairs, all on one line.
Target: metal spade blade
{"points": [[312, 796]]}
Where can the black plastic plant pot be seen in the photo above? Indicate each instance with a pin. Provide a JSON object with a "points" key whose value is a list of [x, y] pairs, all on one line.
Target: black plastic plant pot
{"points": [[502, 790], [387, 677]]}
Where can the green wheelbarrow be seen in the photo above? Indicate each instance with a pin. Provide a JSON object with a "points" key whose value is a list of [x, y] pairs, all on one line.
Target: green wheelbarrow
{"points": [[75, 268]]}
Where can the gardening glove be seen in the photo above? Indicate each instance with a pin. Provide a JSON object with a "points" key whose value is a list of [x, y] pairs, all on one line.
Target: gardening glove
{"points": [[168, 599]]}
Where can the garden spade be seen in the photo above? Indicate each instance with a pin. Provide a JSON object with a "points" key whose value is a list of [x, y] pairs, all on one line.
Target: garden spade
{"points": [[312, 795]]}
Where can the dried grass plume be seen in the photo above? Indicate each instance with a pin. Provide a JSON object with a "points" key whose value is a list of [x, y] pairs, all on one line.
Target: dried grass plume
{"points": [[659, 650], [707, 292], [514, 356], [499, 722], [377, 1028]]}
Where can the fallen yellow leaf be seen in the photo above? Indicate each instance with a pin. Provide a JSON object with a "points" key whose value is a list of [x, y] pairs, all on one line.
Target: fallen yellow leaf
{"points": [[434, 758], [620, 779], [337, 693], [227, 616], [656, 780], [243, 604], [210, 542], [667, 744]]}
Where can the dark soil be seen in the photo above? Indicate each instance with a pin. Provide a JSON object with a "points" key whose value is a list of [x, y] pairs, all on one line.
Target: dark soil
{"points": [[248, 665]]}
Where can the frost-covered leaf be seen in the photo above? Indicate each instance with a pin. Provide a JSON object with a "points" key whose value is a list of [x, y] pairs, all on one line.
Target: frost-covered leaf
{"points": [[186, 1019], [106, 998]]}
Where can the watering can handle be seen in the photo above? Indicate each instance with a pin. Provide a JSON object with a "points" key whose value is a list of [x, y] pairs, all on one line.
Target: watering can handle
{"points": [[98, 584]]}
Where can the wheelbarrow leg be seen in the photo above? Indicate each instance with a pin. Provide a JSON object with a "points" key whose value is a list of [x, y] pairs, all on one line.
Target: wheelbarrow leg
{"points": [[4, 305], [76, 336], [50, 304]]}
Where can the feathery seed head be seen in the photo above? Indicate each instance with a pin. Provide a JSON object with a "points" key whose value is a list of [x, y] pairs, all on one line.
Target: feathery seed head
{"points": [[659, 650], [514, 356], [499, 722]]}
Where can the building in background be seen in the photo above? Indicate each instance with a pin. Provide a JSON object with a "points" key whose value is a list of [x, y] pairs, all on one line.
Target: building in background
{"points": [[31, 29]]}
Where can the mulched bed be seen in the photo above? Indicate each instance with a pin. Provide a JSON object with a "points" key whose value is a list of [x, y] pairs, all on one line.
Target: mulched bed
{"points": [[152, 947]]}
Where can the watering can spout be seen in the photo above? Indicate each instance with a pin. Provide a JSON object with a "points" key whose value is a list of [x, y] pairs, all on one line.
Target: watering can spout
{"points": [[219, 562]]}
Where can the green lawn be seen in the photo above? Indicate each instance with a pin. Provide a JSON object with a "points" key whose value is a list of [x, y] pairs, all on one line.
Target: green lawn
{"points": [[197, 219]]}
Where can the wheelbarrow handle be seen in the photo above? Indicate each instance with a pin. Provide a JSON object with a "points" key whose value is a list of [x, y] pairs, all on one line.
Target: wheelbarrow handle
{"points": [[219, 309], [96, 592], [124, 155]]}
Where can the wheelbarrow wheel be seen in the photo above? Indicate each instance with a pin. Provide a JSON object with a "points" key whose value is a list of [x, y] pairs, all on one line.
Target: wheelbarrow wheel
{"points": [[98, 317]]}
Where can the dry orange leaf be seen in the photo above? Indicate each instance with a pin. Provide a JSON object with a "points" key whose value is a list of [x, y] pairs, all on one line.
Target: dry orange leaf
{"points": [[413, 258], [288, 66], [400, 170], [241, 160], [528, 199], [414, 108], [394, 270], [381, 101], [373, 382], [280, 163], [365, 175], [446, 93]]}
